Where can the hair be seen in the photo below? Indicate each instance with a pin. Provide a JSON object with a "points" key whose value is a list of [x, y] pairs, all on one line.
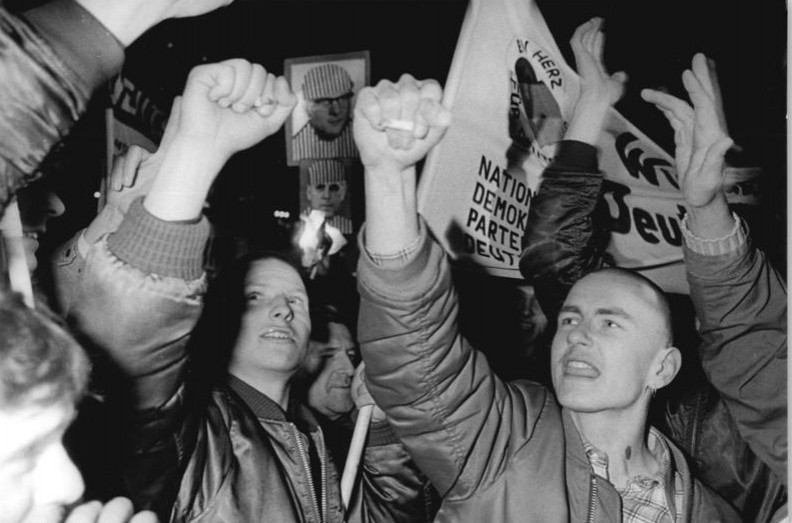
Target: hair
{"points": [[662, 300], [216, 334], [41, 364]]}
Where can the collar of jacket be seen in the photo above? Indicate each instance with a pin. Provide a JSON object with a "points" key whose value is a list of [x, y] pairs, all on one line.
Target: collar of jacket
{"points": [[263, 407]]}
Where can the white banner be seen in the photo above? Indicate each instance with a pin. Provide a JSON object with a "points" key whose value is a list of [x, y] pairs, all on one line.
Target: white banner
{"points": [[511, 94]]}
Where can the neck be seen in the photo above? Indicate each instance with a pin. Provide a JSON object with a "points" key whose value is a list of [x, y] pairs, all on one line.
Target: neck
{"points": [[622, 435], [274, 386]]}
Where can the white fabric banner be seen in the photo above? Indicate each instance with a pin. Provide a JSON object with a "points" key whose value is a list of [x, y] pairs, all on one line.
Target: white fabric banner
{"points": [[511, 94]]}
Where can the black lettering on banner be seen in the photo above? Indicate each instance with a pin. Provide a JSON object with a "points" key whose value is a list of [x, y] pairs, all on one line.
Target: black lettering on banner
{"points": [[644, 224], [486, 250], [638, 167], [614, 194]]}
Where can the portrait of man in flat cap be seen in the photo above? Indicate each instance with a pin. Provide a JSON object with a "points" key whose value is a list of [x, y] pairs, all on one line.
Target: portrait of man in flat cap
{"points": [[320, 127]]}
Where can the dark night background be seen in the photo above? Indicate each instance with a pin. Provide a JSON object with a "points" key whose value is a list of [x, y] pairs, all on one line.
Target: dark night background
{"points": [[652, 40]]}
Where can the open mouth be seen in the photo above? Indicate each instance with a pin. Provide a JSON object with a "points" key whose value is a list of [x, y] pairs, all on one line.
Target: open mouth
{"points": [[580, 368], [276, 334]]}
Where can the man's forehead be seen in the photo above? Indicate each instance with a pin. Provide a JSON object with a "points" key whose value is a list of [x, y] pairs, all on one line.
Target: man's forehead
{"points": [[616, 289]]}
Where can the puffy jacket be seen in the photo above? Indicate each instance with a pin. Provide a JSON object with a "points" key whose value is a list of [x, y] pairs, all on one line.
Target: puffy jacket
{"points": [[225, 454], [741, 302], [566, 236], [495, 451], [51, 60]]}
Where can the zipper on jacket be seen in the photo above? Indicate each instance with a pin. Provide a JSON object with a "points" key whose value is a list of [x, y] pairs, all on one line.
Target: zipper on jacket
{"points": [[307, 466], [592, 498], [323, 472]]}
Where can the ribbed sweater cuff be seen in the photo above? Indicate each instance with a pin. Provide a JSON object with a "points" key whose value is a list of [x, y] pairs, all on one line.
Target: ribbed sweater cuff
{"points": [[159, 247], [80, 40]]}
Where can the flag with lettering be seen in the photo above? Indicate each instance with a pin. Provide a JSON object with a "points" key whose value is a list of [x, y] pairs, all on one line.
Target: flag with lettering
{"points": [[511, 94]]}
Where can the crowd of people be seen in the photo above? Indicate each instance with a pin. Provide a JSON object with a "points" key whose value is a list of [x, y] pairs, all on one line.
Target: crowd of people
{"points": [[234, 397]]}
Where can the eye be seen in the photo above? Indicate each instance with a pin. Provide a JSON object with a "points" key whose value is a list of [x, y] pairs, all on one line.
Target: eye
{"points": [[252, 296], [568, 320], [294, 300], [610, 324]]}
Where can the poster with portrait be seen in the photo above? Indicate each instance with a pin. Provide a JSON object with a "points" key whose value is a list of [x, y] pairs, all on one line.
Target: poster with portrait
{"points": [[325, 85], [327, 185]]}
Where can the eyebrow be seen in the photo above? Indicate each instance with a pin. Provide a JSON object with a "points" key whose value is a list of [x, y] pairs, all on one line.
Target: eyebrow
{"points": [[604, 311]]}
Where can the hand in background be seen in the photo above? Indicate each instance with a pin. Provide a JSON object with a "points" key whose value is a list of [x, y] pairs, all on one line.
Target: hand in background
{"points": [[700, 133], [598, 89], [117, 510]]}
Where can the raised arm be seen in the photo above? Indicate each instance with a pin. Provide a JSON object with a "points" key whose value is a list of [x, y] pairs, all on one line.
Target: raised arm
{"points": [[140, 294], [740, 299], [52, 58], [459, 422], [564, 238]]}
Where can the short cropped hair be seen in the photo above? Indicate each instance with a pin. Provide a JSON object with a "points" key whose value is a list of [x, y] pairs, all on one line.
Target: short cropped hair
{"points": [[41, 364], [664, 307]]}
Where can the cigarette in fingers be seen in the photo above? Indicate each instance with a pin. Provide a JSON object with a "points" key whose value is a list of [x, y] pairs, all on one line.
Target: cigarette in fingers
{"points": [[264, 101], [399, 125]]}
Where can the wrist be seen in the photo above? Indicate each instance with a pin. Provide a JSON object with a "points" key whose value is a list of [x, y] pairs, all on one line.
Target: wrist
{"points": [[183, 179], [588, 120], [125, 19], [712, 220]]}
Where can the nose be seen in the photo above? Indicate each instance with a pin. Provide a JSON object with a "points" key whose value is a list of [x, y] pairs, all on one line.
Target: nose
{"points": [[335, 106], [578, 335], [281, 310], [344, 364], [58, 482], [55, 206], [326, 193]]}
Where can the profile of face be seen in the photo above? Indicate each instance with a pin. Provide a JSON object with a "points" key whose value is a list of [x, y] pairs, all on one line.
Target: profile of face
{"points": [[37, 477], [37, 205], [327, 197], [611, 344], [332, 365], [330, 116], [275, 323]]}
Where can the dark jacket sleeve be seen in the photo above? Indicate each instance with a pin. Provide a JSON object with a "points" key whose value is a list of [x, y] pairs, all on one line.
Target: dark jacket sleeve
{"points": [[461, 424], [565, 237], [392, 487], [51, 60], [741, 302]]}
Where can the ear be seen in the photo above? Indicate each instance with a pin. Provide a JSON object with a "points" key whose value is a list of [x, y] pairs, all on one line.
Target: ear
{"points": [[667, 364]]}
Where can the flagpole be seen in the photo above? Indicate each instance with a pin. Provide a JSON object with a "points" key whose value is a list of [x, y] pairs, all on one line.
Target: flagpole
{"points": [[355, 451]]}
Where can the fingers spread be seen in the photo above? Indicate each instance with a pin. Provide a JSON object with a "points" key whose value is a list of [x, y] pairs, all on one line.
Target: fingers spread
{"points": [[667, 102], [85, 513], [117, 510]]}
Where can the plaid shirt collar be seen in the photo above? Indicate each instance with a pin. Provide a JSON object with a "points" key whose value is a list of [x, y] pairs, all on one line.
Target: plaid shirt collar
{"points": [[646, 499]]}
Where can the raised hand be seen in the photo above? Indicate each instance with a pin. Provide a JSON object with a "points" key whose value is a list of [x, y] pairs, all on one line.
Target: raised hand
{"points": [[700, 134], [232, 105], [117, 510], [596, 84], [396, 124], [598, 89]]}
